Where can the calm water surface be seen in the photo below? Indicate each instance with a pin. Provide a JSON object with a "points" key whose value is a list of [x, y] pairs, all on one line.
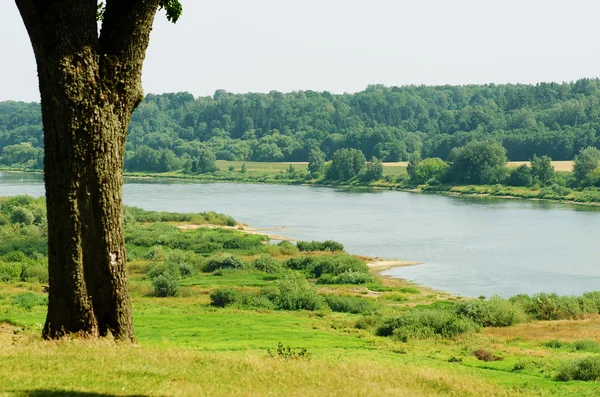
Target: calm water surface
{"points": [[469, 246]]}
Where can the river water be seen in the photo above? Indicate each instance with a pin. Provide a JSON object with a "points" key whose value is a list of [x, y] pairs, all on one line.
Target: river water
{"points": [[468, 246]]}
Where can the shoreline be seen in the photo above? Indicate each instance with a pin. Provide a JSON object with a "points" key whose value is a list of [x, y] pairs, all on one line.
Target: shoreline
{"points": [[449, 192], [241, 228]]}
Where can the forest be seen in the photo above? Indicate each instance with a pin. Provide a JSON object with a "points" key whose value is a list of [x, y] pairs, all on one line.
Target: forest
{"points": [[172, 131]]}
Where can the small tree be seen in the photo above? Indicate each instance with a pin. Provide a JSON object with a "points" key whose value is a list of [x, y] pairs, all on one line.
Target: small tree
{"points": [[427, 169], [244, 169], [542, 170], [373, 171], [520, 176], [316, 162], [478, 162], [586, 165], [291, 170], [206, 161], [346, 164]]}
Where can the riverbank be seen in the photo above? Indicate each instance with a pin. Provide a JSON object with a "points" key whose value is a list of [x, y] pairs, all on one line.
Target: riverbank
{"points": [[555, 193]]}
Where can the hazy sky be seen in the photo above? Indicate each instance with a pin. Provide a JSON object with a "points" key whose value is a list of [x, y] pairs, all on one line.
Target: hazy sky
{"points": [[345, 45]]}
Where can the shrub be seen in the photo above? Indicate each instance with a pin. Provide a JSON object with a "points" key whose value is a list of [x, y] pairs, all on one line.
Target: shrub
{"points": [[157, 253], [586, 369], [486, 356], [29, 300], [162, 269], [347, 304], [336, 265], [224, 261], [495, 312], [426, 323], [300, 262], [266, 263], [349, 277], [554, 344], [22, 215], [549, 306], [328, 245], [287, 248], [10, 271], [296, 293], [165, 285], [585, 345], [35, 272], [15, 256], [222, 297]]}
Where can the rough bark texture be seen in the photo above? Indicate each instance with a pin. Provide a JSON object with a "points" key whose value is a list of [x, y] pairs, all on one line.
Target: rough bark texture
{"points": [[89, 84]]}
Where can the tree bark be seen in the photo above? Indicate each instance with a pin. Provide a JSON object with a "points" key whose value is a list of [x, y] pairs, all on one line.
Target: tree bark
{"points": [[89, 87]]}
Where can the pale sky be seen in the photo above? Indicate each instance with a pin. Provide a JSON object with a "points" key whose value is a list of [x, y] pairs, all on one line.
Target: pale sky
{"points": [[345, 45]]}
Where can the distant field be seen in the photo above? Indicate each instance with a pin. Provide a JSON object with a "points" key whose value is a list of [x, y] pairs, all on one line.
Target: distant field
{"points": [[562, 166], [395, 168], [223, 165]]}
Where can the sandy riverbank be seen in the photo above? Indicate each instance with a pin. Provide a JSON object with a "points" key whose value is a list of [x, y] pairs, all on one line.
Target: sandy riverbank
{"points": [[243, 228], [381, 265]]}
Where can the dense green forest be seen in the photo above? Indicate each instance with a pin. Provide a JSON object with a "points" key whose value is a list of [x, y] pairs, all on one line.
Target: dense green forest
{"points": [[171, 131]]}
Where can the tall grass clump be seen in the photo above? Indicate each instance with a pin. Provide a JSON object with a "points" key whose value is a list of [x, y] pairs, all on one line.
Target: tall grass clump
{"points": [[349, 304], [586, 369], [28, 300]]}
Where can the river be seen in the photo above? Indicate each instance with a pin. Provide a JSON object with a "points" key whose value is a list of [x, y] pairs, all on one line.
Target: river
{"points": [[468, 246]]}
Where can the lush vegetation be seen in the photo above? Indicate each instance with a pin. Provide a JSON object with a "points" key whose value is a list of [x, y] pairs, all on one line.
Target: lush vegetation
{"points": [[177, 131], [258, 316]]}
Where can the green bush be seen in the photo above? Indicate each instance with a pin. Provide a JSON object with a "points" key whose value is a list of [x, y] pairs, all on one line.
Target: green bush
{"points": [[426, 323], [266, 263], [35, 272], [29, 300], [15, 256], [347, 304], [348, 277], [224, 261], [10, 271], [328, 245], [22, 215], [336, 265], [549, 306], [165, 285], [495, 312], [554, 344], [585, 345], [586, 369], [287, 248], [300, 262], [296, 293], [222, 297]]}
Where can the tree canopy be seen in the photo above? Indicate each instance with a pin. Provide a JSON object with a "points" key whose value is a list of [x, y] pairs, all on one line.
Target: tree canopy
{"points": [[390, 123]]}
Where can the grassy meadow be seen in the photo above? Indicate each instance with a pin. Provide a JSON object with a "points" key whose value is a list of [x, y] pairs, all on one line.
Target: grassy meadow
{"points": [[218, 311]]}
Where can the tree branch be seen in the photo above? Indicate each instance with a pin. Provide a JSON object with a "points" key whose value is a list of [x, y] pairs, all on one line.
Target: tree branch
{"points": [[57, 27], [123, 42]]}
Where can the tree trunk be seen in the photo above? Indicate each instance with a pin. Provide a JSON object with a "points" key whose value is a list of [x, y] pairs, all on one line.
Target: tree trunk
{"points": [[89, 88]]}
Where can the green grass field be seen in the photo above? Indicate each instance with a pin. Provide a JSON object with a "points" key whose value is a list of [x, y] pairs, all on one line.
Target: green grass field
{"points": [[187, 345]]}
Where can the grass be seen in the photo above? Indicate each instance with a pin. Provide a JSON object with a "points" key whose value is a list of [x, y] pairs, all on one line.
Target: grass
{"points": [[188, 347]]}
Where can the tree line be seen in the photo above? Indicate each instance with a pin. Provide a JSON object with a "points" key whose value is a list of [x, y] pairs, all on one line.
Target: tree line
{"points": [[175, 131]]}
